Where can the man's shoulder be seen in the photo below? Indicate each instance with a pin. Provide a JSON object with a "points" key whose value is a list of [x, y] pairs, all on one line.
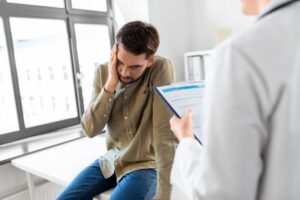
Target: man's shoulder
{"points": [[102, 68], [162, 64], [160, 61], [161, 71], [101, 73]]}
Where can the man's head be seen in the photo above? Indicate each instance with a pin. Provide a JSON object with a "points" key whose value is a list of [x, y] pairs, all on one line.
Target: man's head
{"points": [[253, 7], [137, 44]]}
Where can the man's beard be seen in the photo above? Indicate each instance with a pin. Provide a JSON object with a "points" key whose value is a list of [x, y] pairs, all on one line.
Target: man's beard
{"points": [[126, 80]]}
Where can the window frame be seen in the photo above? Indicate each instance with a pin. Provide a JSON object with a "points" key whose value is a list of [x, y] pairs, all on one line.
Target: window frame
{"points": [[70, 16]]}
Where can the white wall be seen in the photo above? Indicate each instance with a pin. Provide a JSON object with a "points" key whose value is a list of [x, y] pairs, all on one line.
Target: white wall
{"points": [[213, 17], [130, 10], [194, 25], [133, 9], [173, 21]]}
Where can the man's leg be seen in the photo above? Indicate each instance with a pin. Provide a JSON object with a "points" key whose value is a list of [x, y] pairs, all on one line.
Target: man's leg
{"points": [[137, 185], [87, 184]]}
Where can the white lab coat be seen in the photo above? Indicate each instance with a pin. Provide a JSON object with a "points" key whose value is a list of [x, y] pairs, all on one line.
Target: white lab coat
{"points": [[252, 119]]}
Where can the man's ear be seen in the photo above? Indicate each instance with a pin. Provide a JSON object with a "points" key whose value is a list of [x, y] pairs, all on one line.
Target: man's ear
{"points": [[151, 60]]}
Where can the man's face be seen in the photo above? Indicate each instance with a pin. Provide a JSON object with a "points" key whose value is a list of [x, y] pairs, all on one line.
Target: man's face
{"points": [[131, 67]]}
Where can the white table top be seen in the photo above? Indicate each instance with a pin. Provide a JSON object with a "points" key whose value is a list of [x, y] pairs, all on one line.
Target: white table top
{"points": [[60, 164]]}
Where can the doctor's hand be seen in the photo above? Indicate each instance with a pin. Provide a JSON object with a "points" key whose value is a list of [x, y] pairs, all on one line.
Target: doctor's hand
{"points": [[183, 128], [113, 79]]}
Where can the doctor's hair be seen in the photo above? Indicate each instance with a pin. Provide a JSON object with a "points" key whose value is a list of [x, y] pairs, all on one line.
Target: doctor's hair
{"points": [[139, 37]]}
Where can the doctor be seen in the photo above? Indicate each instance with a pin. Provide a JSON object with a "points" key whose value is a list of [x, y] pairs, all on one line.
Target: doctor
{"points": [[252, 122]]}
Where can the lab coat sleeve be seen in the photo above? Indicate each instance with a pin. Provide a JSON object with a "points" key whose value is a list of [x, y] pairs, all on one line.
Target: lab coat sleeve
{"points": [[186, 162], [230, 164]]}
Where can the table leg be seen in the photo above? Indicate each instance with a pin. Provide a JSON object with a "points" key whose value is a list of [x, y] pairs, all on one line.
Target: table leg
{"points": [[30, 184]]}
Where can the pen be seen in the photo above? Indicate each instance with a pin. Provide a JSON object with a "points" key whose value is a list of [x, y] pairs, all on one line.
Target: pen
{"points": [[198, 140]]}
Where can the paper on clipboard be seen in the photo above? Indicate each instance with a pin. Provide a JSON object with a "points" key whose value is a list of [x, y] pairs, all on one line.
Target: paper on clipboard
{"points": [[183, 96]]}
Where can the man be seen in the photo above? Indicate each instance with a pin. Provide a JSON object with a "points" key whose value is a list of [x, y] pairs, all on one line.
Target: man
{"points": [[251, 123], [140, 143]]}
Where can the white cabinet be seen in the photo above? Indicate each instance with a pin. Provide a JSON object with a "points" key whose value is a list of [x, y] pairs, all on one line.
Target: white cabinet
{"points": [[197, 64]]}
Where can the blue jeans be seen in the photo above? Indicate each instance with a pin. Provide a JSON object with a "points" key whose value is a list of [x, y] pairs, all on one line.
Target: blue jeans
{"points": [[137, 185]]}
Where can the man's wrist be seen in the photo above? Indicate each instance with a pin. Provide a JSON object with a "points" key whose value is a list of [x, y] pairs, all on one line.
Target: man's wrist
{"points": [[110, 88]]}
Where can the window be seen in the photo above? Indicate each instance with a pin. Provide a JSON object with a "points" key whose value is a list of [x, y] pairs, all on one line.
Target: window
{"points": [[42, 60], [97, 5], [52, 3], [93, 47], [8, 113], [44, 47]]}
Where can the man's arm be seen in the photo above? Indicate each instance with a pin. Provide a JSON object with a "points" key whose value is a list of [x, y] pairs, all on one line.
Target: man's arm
{"points": [[105, 82], [164, 140], [97, 114]]}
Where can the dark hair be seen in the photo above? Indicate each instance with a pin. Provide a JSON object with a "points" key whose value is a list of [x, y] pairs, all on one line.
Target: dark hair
{"points": [[139, 37]]}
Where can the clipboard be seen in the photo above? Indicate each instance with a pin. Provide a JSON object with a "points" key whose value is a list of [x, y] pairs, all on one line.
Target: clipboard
{"points": [[182, 96]]}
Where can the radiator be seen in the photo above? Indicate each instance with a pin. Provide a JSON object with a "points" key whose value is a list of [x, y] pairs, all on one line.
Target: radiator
{"points": [[43, 191]]}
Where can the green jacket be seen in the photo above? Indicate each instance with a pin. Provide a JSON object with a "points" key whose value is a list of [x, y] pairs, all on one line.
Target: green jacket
{"points": [[138, 135]]}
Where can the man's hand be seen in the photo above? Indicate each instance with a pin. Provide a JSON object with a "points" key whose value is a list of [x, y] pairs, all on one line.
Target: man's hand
{"points": [[113, 79], [183, 128]]}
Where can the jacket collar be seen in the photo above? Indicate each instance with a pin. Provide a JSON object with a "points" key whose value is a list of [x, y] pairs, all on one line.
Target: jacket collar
{"points": [[273, 5]]}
